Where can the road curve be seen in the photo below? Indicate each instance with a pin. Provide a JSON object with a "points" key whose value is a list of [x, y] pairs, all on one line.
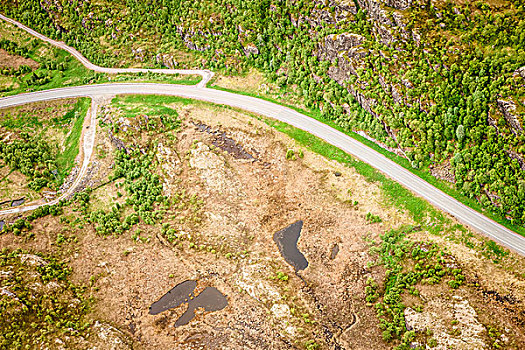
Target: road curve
{"points": [[88, 143], [466, 215], [205, 74]]}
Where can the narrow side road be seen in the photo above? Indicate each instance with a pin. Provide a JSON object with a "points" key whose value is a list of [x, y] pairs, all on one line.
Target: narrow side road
{"points": [[466, 215], [205, 74], [88, 143]]}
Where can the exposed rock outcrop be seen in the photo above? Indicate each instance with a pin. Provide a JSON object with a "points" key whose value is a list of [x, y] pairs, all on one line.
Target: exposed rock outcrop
{"points": [[166, 60], [521, 72], [347, 51], [508, 108], [320, 17], [467, 325], [250, 50]]}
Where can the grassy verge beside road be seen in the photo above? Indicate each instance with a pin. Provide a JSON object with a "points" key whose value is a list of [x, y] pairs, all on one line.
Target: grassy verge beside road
{"points": [[424, 174], [66, 159]]}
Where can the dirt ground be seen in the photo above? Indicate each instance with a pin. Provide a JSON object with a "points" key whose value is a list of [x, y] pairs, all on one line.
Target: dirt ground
{"points": [[12, 61], [229, 210]]}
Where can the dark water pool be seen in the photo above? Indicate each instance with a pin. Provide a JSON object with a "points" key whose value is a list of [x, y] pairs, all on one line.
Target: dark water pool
{"points": [[181, 293], [2, 225], [210, 299], [286, 240]]}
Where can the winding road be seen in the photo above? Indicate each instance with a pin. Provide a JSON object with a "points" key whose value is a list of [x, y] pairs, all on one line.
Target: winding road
{"points": [[464, 214], [206, 74]]}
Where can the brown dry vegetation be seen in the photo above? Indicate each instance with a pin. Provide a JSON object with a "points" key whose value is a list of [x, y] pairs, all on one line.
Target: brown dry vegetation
{"points": [[12, 61], [226, 242]]}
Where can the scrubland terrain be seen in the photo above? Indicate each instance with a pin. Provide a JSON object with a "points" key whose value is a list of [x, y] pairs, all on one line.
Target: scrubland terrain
{"points": [[183, 190], [180, 190]]}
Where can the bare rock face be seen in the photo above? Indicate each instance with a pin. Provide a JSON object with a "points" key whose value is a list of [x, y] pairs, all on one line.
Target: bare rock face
{"points": [[467, 333], [33, 260], [508, 108], [337, 43], [139, 54], [166, 60], [342, 8], [376, 11], [251, 50], [521, 72], [399, 4], [346, 49], [187, 36]]}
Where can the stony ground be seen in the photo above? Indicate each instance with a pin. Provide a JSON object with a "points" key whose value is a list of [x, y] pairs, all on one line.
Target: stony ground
{"points": [[229, 210]]}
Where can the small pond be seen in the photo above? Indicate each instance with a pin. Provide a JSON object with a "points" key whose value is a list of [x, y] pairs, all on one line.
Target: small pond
{"points": [[286, 240], [210, 299], [181, 293]]}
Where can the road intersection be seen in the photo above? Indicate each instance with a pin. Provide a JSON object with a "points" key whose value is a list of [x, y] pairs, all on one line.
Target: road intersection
{"points": [[463, 213]]}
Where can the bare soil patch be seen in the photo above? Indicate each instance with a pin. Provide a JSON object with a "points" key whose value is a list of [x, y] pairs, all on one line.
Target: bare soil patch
{"points": [[12, 61]]}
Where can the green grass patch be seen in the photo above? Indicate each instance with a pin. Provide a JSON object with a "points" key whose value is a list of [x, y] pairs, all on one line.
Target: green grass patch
{"points": [[66, 159], [152, 105]]}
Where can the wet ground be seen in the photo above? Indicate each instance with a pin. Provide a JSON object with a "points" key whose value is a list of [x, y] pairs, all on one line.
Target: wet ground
{"points": [[226, 143], [210, 299], [334, 252], [286, 241]]}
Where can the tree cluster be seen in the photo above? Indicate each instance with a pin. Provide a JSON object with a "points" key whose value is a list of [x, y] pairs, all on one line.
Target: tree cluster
{"points": [[33, 158], [434, 96]]}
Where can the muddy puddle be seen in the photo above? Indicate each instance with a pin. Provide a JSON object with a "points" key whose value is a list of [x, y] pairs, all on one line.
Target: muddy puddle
{"points": [[17, 202], [286, 240], [226, 143], [210, 299], [2, 223]]}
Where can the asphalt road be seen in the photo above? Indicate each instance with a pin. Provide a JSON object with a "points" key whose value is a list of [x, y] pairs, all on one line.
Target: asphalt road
{"points": [[466, 215], [206, 74]]}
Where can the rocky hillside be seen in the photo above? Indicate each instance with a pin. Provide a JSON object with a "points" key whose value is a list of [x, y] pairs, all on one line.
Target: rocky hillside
{"points": [[439, 82]]}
